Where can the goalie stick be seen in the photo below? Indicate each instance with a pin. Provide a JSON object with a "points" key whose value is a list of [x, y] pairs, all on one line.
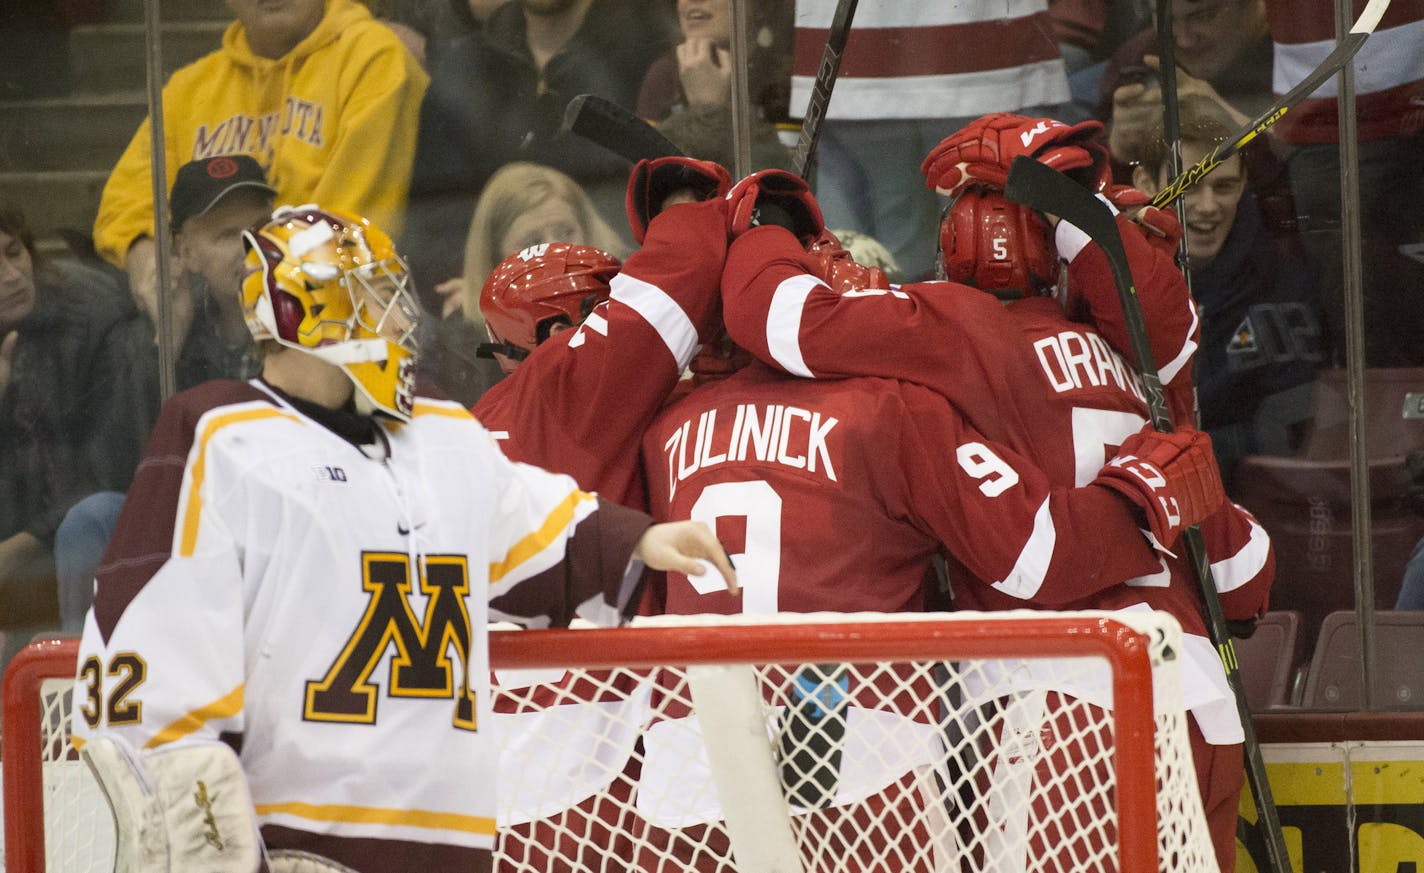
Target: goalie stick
{"points": [[1040, 187], [1341, 55]]}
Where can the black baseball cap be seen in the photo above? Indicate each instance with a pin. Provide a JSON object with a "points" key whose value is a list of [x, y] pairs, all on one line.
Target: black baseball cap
{"points": [[201, 184]]}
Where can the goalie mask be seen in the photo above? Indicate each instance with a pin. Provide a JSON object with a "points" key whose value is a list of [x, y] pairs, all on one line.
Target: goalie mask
{"points": [[332, 285], [534, 290], [995, 245]]}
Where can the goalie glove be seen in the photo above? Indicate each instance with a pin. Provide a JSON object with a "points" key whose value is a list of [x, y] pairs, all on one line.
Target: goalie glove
{"points": [[179, 809], [981, 152], [774, 197], [653, 180], [1173, 477]]}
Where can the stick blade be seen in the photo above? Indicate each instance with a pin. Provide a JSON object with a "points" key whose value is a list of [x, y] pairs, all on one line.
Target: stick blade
{"points": [[1041, 187], [605, 123]]}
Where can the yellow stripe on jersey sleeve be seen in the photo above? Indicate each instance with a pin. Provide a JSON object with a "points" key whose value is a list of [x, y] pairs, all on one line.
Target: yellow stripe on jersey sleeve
{"points": [[540, 539], [449, 410], [415, 818], [194, 510], [227, 705]]}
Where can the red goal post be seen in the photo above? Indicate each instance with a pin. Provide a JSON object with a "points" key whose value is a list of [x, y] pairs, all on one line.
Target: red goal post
{"points": [[921, 758]]}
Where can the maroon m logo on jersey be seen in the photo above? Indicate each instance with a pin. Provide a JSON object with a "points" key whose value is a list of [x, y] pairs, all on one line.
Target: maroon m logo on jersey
{"points": [[420, 666]]}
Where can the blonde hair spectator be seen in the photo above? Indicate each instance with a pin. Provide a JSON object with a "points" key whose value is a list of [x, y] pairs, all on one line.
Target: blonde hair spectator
{"points": [[522, 205]]}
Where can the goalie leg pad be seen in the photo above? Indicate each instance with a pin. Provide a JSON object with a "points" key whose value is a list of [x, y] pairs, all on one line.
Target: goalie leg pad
{"points": [[178, 810], [292, 861]]}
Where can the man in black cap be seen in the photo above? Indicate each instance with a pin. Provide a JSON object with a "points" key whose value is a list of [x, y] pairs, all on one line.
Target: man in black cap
{"points": [[212, 202]]}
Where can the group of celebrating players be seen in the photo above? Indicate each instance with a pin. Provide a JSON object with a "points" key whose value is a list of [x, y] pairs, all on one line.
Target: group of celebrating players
{"points": [[837, 434]]}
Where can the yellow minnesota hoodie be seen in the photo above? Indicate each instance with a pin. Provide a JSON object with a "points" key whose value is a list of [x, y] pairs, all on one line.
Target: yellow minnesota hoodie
{"points": [[333, 122]]}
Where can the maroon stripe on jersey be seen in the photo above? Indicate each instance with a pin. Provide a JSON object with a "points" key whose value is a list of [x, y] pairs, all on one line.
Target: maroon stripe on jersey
{"points": [[381, 856], [887, 52], [594, 563], [1292, 21], [142, 541], [1381, 115]]}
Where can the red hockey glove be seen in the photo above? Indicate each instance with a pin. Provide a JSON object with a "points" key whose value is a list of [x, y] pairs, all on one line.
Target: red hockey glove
{"points": [[981, 152], [774, 197], [652, 182], [838, 269], [1160, 226], [1172, 476]]}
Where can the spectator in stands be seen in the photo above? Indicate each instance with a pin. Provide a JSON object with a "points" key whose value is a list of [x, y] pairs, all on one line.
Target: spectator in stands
{"points": [[1389, 88], [318, 91], [213, 201], [74, 406], [423, 23], [1411, 591], [499, 95], [1223, 50], [1088, 33], [906, 81], [688, 91], [1261, 337], [523, 204]]}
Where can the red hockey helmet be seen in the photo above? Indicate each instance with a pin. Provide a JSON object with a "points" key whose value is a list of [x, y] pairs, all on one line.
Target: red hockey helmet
{"points": [[993, 244], [534, 289]]}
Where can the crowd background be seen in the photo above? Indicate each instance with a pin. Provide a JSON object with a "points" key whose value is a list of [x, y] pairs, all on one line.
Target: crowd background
{"points": [[440, 120]]}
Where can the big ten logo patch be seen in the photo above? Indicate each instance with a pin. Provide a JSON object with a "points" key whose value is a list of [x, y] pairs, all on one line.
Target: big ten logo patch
{"points": [[329, 474]]}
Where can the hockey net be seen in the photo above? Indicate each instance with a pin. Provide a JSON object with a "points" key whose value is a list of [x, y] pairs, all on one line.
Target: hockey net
{"points": [[800, 743]]}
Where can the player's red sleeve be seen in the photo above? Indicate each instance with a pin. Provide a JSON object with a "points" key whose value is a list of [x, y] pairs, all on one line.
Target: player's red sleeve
{"points": [[580, 402], [1173, 327], [777, 309], [682, 256], [1000, 518], [1243, 564]]}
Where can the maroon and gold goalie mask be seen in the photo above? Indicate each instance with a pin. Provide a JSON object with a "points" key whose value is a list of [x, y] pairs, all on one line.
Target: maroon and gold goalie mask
{"points": [[332, 285]]}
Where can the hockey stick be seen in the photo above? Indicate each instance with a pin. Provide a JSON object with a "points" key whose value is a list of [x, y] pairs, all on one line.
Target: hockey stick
{"points": [[1172, 124], [603, 122], [821, 90], [1341, 55], [1040, 187]]}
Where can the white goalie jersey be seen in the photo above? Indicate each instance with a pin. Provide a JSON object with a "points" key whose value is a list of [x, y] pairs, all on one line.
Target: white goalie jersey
{"points": [[324, 611]]}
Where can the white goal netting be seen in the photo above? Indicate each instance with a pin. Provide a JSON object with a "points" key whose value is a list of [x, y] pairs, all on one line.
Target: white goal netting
{"points": [[1021, 741]]}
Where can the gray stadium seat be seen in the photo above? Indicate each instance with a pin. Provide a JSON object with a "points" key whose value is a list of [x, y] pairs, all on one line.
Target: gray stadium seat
{"points": [[1334, 678]]}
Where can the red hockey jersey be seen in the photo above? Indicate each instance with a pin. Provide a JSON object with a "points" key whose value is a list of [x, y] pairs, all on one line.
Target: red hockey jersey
{"points": [[580, 402], [1022, 375]]}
